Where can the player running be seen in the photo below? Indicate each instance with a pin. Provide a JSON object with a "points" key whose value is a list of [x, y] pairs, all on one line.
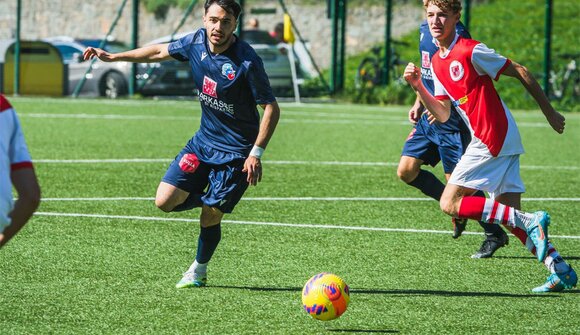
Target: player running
{"points": [[16, 170], [219, 162], [463, 70], [430, 142]]}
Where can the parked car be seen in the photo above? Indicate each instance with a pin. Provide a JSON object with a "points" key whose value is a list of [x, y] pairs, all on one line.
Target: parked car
{"points": [[174, 77], [106, 79]]}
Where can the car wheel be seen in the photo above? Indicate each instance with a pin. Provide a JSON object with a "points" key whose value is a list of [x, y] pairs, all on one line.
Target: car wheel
{"points": [[114, 85]]}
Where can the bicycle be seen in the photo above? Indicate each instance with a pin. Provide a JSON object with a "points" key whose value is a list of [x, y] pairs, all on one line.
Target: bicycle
{"points": [[568, 76], [370, 70]]}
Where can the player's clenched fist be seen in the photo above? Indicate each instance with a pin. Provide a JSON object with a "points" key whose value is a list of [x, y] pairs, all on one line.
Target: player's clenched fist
{"points": [[412, 75]]}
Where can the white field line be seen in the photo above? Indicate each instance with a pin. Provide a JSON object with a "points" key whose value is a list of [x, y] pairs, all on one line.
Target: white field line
{"points": [[323, 118], [336, 119], [166, 160], [275, 224], [384, 199], [192, 103]]}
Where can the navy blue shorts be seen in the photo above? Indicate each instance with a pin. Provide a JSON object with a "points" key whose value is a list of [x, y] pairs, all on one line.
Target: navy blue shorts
{"points": [[430, 146], [221, 182]]}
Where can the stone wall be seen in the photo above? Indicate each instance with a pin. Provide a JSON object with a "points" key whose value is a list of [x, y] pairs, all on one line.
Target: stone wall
{"points": [[76, 18]]}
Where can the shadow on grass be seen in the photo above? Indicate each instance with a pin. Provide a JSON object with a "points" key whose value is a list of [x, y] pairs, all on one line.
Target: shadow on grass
{"points": [[451, 293], [566, 258], [381, 331], [400, 292]]}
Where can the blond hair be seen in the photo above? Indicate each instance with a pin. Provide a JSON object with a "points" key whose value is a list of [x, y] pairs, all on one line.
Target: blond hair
{"points": [[453, 5]]}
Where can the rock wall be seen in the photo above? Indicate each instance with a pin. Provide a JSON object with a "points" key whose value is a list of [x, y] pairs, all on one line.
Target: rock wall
{"points": [[76, 18]]}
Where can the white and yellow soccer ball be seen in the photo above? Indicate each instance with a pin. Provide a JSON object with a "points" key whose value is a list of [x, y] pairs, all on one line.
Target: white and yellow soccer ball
{"points": [[325, 296]]}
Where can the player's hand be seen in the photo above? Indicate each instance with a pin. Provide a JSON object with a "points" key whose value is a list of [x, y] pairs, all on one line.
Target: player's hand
{"points": [[415, 113], [557, 121], [430, 117], [253, 167], [412, 75], [101, 54]]}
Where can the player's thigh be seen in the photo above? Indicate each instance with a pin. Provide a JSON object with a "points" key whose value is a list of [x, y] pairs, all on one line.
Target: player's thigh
{"points": [[185, 175], [511, 185], [227, 185], [418, 145]]}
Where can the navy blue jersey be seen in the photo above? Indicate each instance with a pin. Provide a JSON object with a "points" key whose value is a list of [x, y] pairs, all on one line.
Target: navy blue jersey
{"points": [[230, 85], [427, 48]]}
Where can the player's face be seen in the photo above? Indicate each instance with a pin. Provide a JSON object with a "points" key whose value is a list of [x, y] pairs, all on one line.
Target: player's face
{"points": [[220, 26], [441, 23]]}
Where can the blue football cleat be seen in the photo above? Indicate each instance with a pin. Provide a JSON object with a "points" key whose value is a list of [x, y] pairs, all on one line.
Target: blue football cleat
{"points": [[558, 282], [192, 279], [538, 233]]}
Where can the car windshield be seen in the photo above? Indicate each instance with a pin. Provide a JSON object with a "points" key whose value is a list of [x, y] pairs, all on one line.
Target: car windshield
{"points": [[110, 46]]}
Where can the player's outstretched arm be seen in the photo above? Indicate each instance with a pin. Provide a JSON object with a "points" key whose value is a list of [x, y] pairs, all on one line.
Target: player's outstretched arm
{"points": [[149, 54], [441, 110], [253, 165], [557, 121], [26, 185]]}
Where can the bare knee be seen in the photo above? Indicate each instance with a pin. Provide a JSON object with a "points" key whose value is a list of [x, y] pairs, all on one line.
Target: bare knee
{"points": [[210, 216], [168, 197], [406, 173], [164, 205], [449, 204]]}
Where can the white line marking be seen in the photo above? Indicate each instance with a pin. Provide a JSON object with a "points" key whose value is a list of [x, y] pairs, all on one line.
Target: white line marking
{"points": [[293, 199], [336, 163], [323, 117], [106, 116], [275, 224], [104, 161]]}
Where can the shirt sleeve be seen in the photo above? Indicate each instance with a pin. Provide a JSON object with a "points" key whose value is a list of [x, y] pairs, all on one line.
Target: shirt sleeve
{"points": [[440, 93], [17, 149], [487, 62], [179, 49], [259, 82]]}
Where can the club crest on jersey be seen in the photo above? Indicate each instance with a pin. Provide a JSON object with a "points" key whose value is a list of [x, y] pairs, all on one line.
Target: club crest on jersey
{"points": [[228, 71], [456, 70], [209, 87], [425, 59]]}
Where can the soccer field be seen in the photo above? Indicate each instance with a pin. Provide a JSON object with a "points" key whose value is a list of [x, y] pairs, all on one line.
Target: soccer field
{"points": [[99, 257]]}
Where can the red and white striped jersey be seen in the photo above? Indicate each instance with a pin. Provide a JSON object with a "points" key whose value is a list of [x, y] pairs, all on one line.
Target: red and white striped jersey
{"points": [[13, 155], [464, 75]]}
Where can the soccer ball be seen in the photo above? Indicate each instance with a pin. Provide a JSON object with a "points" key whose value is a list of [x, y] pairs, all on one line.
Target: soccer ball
{"points": [[325, 296]]}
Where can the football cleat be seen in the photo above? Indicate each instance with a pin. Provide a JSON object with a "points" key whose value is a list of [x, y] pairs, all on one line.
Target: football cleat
{"points": [[491, 244], [538, 233], [558, 282], [192, 279], [458, 226]]}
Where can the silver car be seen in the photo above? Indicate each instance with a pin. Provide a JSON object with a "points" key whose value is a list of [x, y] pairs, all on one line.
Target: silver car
{"points": [[105, 79]]}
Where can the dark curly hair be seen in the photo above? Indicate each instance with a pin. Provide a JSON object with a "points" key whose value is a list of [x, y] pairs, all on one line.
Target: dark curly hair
{"points": [[230, 6]]}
